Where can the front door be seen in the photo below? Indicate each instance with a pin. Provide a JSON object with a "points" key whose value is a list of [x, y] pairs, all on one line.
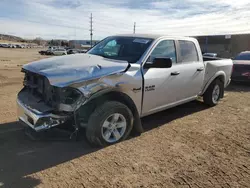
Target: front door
{"points": [[161, 84]]}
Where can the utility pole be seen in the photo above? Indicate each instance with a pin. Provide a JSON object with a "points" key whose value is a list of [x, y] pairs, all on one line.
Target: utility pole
{"points": [[134, 26], [75, 31], [91, 29]]}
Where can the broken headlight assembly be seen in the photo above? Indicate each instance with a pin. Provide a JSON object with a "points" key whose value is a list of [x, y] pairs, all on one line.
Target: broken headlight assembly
{"points": [[70, 99], [69, 95]]}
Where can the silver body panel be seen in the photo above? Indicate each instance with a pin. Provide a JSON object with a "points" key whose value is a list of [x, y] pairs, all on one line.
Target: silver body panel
{"points": [[93, 75]]}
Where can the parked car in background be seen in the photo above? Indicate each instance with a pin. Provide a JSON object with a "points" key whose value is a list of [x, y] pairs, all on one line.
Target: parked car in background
{"points": [[120, 80], [59, 52], [210, 54], [73, 51], [50, 50], [44, 52], [20, 46], [241, 67], [4, 45], [83, 51], [12, 46]]}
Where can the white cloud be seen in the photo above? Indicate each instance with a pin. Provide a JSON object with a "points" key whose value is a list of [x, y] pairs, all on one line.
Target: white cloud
{"points": [[70, 19]]}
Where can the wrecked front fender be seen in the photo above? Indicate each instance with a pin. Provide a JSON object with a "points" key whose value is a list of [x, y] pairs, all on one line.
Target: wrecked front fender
{"points": [[120, 80]]}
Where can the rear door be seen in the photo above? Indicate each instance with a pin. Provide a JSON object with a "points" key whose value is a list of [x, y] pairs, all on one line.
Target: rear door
{"points": [[192, 69]]}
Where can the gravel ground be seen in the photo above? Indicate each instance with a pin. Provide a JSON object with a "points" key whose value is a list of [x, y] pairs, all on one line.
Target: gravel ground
{"points": [[187, 146]]}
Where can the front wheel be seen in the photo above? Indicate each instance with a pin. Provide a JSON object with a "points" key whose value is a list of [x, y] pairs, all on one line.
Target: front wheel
{"points": [[110, 123], [213, 93]]}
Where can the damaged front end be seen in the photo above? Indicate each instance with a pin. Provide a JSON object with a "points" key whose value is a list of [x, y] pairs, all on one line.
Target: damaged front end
{"points": [[43, 106], [54, 89]]}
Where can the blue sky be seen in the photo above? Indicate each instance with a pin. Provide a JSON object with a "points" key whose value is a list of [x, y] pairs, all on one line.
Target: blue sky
{"points": [[69, 19]]}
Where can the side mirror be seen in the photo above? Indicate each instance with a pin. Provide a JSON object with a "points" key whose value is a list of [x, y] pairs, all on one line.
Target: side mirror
{"points": [[159, 62]]}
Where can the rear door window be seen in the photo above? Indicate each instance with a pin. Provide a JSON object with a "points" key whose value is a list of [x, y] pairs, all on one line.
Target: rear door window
{"points": [[188, 51]]}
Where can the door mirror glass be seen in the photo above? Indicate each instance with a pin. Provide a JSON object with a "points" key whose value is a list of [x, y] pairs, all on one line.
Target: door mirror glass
{"points": [[159, 62]]}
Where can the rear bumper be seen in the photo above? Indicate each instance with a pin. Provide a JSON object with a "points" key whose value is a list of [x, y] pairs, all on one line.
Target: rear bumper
{"points": [[37, 120]]}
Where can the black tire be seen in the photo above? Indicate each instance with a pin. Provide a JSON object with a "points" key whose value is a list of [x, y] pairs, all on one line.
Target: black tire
{"points": [[99, 115], [208, 95]]}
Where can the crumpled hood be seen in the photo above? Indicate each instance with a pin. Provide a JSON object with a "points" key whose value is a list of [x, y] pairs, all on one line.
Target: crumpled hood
{"points": [[65, 70]]}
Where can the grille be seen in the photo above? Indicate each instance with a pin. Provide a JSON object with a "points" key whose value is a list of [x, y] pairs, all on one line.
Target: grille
{"points": [[39, 86]]}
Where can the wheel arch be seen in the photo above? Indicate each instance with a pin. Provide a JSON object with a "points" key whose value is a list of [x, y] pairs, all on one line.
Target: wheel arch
{"points": [[118, 96], [219, 75]]}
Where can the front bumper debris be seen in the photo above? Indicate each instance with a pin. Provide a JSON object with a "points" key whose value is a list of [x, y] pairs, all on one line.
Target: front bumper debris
{"points": [[37, 120]]}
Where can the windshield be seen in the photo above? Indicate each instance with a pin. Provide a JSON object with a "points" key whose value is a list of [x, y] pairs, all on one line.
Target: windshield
{"points": [[122, 48], [243, 56]]}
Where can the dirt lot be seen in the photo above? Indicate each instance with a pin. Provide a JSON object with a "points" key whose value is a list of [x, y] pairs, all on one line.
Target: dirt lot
{"points": [[188, 146]]}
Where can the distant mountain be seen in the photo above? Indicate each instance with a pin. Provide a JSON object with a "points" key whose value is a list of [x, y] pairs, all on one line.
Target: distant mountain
{"points": [[38, 40], [11, 38]]}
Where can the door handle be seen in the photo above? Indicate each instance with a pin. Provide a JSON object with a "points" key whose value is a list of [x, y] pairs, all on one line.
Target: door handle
{"points": [[175, 73], [200, 69]]}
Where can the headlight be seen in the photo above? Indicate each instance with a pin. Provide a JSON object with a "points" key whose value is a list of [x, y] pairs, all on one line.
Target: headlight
{"points": [[69, 95]]}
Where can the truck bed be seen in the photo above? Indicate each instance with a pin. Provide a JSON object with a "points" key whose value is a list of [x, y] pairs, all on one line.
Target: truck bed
{"points": [[215, 66]]}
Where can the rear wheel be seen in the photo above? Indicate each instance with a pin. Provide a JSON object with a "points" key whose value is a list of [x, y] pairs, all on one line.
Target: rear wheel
{"points": [[213, 93], [110, 123]]}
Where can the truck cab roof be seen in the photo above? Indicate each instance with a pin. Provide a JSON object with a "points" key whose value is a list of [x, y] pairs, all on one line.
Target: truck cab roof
{"points": [[155, 36]]}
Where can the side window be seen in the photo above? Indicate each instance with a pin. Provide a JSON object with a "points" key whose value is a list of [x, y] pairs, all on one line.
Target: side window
{"points": [[188, 51], [165, 48]]}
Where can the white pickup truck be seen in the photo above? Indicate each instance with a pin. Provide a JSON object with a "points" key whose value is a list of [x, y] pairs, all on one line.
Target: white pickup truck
{"points": [[118, 81]]}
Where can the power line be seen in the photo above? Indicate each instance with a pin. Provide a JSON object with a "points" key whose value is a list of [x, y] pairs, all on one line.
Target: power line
{"points": [[104, 21], [223, 25], [206, 25], [113, 24], [195, 22], [52, 24]]}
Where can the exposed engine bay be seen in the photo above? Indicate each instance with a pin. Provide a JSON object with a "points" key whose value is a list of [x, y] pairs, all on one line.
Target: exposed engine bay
{"points": [[44, 106], [39, 95]]}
